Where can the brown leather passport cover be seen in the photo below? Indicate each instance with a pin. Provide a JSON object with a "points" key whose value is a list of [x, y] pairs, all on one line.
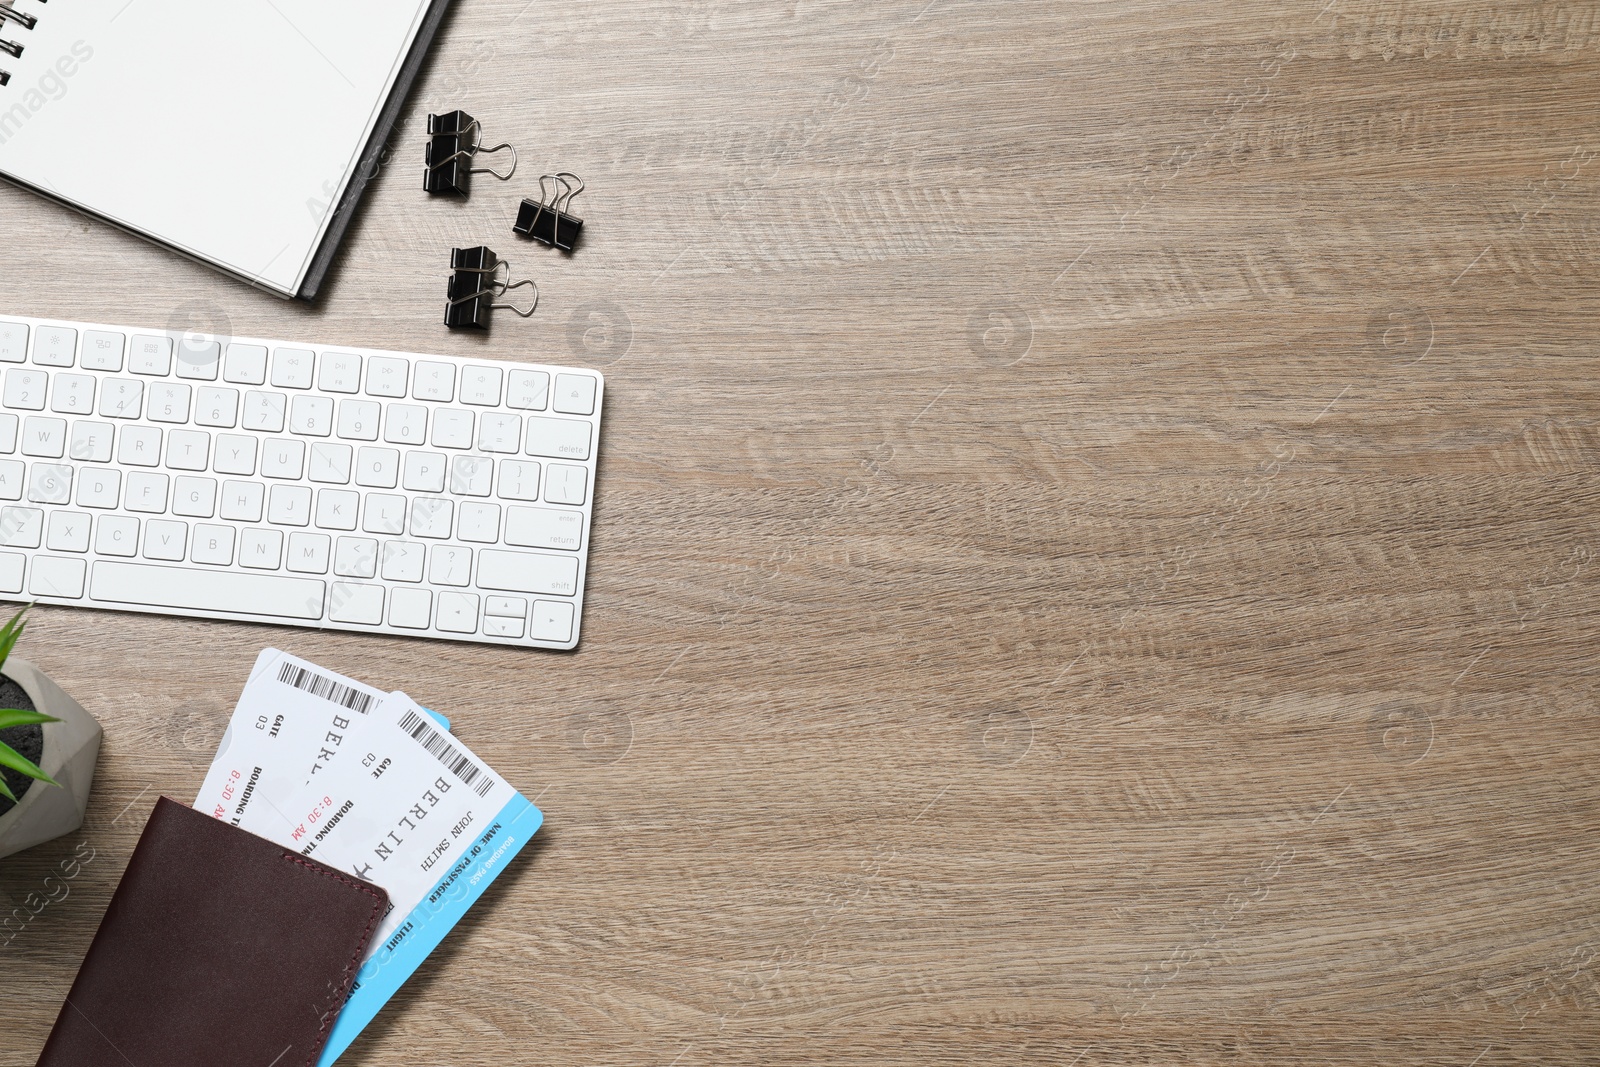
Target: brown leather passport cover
{"points": [[219, 947]]}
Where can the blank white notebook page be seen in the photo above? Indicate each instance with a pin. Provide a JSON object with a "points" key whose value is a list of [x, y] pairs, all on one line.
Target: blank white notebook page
{"points": [[225, 128]]}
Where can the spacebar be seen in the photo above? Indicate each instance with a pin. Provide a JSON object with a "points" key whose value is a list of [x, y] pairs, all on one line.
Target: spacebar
{"points": [[208, 590]]}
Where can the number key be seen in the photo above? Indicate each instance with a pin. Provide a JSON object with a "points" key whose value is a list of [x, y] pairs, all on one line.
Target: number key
{"points": [[25, 389]]}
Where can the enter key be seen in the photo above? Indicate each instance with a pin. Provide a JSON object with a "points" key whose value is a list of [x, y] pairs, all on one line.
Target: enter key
{"points": [[544, 528]]}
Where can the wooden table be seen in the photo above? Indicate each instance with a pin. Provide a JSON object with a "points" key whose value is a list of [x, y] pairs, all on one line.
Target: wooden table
{"points": [[1094, 559]]}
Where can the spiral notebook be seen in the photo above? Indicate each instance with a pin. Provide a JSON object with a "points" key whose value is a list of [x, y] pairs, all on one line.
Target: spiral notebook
{"points": [[239, 133]]}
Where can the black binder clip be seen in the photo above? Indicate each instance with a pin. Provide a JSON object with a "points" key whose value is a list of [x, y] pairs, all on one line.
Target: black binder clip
{"points": [[473, 288], [454, 140], [550, 220]]}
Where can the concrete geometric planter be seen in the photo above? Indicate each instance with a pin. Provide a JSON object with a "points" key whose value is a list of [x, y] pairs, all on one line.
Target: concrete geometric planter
{"points": [[71, 747]]}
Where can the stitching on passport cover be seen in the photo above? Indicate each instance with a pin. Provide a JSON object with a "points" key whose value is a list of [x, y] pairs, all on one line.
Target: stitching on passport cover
{"points": [[344, 981]]}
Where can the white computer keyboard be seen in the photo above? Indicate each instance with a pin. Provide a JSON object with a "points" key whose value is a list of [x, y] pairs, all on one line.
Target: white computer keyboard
{"points": [[291, 483]]}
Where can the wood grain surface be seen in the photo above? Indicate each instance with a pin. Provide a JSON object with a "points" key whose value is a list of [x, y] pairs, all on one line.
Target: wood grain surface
{"points": [[1094, 552]]}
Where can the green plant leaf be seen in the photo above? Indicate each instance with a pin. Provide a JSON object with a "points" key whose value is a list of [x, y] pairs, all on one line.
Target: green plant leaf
{"points": [[18, 717], [10, 757], [5, 791], [11, 632]]}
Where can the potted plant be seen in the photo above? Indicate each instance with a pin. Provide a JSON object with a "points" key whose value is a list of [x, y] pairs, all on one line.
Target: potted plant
{"points": [[48, 748]]}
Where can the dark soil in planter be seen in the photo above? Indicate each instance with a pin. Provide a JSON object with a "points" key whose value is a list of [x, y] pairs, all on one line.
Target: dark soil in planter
{"points": [[28, 740]]}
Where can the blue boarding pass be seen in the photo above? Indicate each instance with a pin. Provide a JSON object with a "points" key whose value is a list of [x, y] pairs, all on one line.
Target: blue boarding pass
{"points": [[413, 810]]}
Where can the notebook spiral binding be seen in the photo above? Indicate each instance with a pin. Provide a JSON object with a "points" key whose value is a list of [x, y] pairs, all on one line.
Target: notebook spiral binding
{"points": [[23, 20]]}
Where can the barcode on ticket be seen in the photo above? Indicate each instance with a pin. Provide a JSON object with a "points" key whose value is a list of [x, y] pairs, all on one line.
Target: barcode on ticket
{"points": [[320, 685], [446, 753]]}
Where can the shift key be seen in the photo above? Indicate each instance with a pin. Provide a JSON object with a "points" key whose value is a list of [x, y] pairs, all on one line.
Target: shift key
{"points": [[527, 572]]}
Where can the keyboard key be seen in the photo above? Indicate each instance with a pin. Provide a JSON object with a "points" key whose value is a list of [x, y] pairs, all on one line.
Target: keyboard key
{"points": [[574, 394], [245, 365], [223, 591], [8, 432], [291, 368], [552, 621], [528, 390], [102, 351], [402, 561], [430, 517], [410, 608], [68, 531], [449, 565], [378, 468], [337, 508], [212, 544], [384, 514], [330, 463], [434, 381], [350, 602], [544, 528], [558, 438], [91, 441], [283, 457], [121, 398], [479, 522], [308, 553], [501, 626], [139, 445], [311, 415], [169, 402], [260, 549], [527, 572], [25, 389], [424, 472], [236, 454], [289, 505], [188, 450], [242, 501], [199, 359], [452, 428], [99, 487], [54, 346], [519, 479], [116, 535], [458, 613], [165, 539], [50, 483], [564, 484], [216, 406], [21, 527], [355, 557], [264, 411], [358, 420], [509, 606], [73, 394], [11, 474], [195, 497], [339, 372], [471, 475], [480, 385], [13, 349], [54, 576], [44, 436], [146, 492], [150, 355], [387, 376], [499, 433], [404, 424]]}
